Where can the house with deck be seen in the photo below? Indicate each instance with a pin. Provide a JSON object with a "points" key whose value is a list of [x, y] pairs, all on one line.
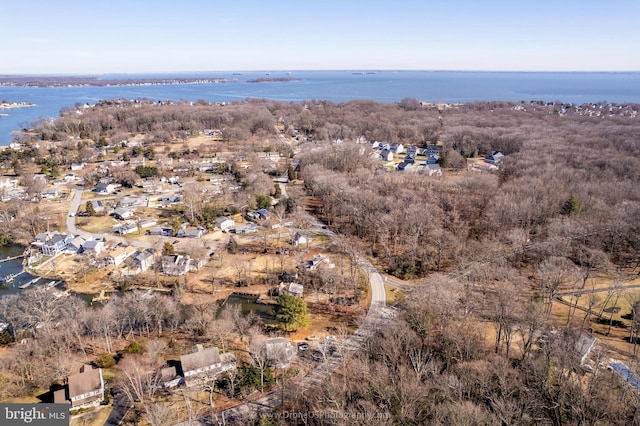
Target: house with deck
{"points": [[205, 364], [83, 390]]}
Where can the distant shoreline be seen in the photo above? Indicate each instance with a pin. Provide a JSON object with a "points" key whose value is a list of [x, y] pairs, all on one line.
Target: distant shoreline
{"points": [[99, 82]]}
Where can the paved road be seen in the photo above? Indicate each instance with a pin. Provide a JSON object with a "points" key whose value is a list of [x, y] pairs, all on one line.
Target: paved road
{"points": [[377, 316], [72, 229]]}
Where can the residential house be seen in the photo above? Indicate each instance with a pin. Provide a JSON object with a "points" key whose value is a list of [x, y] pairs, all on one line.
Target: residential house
{"points": [[203, 364], [52, 244], [139, 262], [249, 228], [133, 202], [224, 223], [127, 228], [495, 158], [75, 246], [412, 151], [433, 159], [386, 155], [300, 239], [98, 206], [191, 232], [119, 255], [264, 214], [169, 378], [433, 170], [175, 264], [145, 223], [160, 231], [280, 352], [398, 148], [93, 247], [431, 150], [292, 289], [86, 389], [123, 213], [404, 167], [104, 188], [319, 262], [49, 193], [77, 166]]}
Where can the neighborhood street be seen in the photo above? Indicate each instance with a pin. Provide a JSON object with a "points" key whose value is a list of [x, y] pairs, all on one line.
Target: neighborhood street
{"points": [[377, 316]]}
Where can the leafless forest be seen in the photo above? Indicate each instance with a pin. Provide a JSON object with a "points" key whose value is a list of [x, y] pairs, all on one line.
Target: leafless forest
{"points": [[477, 340]]}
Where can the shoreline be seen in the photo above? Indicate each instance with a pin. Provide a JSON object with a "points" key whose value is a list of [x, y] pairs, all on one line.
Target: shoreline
{"points": [[51, 82]]}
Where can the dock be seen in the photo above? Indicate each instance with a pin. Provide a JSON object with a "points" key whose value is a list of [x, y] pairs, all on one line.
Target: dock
{"points": [[101, 297], [7, 259], [27, 284]]}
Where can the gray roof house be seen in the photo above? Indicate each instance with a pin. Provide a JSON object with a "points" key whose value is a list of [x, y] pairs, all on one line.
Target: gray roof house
{"points": [[280, 352], [139, 262], [52, 243], [86, 389], [203, 364], [175, 264], [292, 289]]}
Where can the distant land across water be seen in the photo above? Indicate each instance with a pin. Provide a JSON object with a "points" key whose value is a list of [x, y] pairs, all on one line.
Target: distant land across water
{"points": [[335, 86]]}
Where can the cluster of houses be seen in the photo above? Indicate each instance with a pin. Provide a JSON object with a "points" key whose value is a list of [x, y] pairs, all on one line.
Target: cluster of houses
{"points": [[86, 388], [410, 162]]}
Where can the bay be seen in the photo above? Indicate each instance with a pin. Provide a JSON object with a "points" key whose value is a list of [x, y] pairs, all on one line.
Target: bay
{"points": [[335, 86]]}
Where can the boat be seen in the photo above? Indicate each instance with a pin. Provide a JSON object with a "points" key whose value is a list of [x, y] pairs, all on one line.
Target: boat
{"points": [[51, 284], [9, 278]]}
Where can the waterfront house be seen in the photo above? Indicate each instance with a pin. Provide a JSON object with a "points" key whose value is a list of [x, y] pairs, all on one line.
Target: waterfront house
{"points": [[52, 244]]}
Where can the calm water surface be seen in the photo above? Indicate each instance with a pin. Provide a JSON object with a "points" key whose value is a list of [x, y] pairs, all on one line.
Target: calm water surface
{"points": [[335, 86]]}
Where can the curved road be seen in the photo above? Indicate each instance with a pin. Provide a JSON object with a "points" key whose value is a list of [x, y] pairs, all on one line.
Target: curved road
{"points": [[72, 229], [377, 316]]}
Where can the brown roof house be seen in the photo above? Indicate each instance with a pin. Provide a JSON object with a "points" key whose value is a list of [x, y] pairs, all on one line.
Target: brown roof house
{"points": [[205, 364], [85, 389]]}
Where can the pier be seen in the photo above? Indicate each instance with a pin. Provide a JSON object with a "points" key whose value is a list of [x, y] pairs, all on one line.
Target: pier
{"points": [[11, 258]]}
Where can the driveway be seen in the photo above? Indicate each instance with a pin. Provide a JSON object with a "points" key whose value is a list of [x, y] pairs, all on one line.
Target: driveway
{"points": [[72, 229]]}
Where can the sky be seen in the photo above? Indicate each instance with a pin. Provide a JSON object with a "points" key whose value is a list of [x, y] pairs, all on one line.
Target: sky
{"points": [[141, 36]]}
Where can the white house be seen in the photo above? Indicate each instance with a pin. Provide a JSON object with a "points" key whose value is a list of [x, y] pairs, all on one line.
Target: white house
{"points": [[433, 170], [300, 239], [224, 223]]}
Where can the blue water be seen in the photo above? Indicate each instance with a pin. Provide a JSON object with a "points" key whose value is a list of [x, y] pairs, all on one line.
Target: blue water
{"points": [[337, 86], [14, 267]]}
